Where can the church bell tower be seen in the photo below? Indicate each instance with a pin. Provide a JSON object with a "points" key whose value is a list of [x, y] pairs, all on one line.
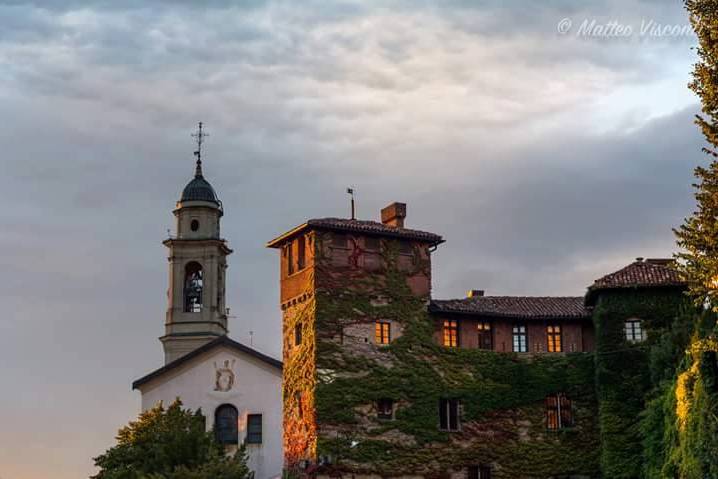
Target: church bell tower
{"points": [[197, 312]]}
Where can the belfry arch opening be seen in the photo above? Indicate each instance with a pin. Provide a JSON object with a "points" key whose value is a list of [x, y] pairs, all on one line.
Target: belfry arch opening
{"points": [[193, 285]]}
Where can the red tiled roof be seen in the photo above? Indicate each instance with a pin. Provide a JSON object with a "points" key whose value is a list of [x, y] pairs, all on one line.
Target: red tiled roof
{"points": [[526, 307], [641, 273], [358, 226], [649, 273]]}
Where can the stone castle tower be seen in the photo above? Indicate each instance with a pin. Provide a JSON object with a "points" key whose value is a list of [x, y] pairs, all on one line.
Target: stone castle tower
{"points": [[196, 313], [330, 268]]}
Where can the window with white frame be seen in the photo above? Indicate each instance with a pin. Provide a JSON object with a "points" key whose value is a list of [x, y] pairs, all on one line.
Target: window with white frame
{"points": [[634, 331]]}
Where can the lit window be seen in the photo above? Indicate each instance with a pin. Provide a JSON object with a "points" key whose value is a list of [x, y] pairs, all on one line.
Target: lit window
{"points": [[449, 414], [226, 424], [559, 414], [485, 337], [553, 334], [385, 408], [451, 333], [383, 332], [634, 331], [479, 472], [254, 429], [520, 340]]}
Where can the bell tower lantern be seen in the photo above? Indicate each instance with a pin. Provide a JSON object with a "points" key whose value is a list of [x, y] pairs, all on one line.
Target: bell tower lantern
{"points": [[196, 313]]}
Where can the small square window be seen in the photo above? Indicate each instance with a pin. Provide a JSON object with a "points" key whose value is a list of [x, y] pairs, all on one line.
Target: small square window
{"points": [[383, 332], [559, 413], [405, 247], [340, 241], [634, 331], [385, 408], [479, 472], [372, 244], [449, 414]]}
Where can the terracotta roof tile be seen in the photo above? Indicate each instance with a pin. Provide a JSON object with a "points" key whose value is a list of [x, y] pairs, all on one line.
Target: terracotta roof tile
{"points": [[641, 273], [525, 307], [359, 226]]}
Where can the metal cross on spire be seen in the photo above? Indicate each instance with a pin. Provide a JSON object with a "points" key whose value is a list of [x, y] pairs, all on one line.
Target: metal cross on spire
{"points": [[199, 137]]}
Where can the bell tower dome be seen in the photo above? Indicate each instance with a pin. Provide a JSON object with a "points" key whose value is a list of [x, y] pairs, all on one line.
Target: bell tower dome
{"points": [[196, 312]]}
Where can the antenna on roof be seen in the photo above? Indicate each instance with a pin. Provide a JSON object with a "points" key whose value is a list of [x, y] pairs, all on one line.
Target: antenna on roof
{"points": [[350, 192], [199, 136]]}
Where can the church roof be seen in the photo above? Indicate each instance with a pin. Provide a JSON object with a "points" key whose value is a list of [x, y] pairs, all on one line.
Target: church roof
{"points": [[346, 225], [199, 189], [520, 307], [220, 341]]}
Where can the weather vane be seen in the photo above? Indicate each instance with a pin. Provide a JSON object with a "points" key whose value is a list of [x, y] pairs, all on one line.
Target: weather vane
{"points": [[199, 137]]}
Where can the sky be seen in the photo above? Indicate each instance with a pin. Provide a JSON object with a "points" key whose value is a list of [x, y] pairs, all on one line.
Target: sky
{"points": [[547, 152]]}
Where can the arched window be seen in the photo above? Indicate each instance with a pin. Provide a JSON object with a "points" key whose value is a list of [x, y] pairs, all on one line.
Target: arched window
{"points": [[634, 330], [193, 287], [226, 424]]}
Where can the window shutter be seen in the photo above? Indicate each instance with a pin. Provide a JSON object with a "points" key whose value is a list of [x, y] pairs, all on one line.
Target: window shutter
{"points": [[453, 414], [443, 414]]}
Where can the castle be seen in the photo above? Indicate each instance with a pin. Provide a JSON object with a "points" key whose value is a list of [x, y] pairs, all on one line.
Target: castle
{"points": [[381, 380]]}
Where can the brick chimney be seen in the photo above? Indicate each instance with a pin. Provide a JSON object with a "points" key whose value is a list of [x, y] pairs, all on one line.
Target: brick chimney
{"points": [[474, 293], [394, 214]]}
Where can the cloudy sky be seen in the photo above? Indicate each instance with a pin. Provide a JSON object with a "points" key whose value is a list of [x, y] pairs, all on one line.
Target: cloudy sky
{"points": [[546, 158]]}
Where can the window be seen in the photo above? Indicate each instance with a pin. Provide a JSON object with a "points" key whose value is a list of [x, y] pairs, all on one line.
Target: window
{"points": [[193, 287], [479, 472], [559, 414], [301, 253], [298, 334], [290, 258], [383, 332], [451, 333], [340, 241], [372, 244], [194, 225], [406, 248], [634, 331], [226, 424], [385, 409], [553, 334], [449, 414], [485, 337], [520, 340], [254, 429]]}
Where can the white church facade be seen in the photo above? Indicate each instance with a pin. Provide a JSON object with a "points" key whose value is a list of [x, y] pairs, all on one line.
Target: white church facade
{"points": [[238, 389]]}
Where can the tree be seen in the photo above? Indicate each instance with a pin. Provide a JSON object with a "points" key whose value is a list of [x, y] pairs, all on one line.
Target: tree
{"points": [[698, 236], [169, 444]]}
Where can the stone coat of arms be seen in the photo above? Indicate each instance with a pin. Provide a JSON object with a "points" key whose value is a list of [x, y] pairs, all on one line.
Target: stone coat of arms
{"points": [[224, 376]]}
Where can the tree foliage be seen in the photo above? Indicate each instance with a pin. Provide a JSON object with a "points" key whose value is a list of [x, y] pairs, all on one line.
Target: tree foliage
{"points": [[169, 443], [698, 236]]}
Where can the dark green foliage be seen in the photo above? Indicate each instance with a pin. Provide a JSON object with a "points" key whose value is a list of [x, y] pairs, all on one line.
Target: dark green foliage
{"points": [[169, 444], [501, 393], [623, 375]]}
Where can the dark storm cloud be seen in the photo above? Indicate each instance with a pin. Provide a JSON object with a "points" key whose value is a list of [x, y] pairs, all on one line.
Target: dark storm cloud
{"points": [[545, 160]]}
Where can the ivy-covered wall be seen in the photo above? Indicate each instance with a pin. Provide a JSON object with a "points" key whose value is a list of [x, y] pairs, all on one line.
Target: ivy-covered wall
{"points": [[627, 373], [502, 394]]}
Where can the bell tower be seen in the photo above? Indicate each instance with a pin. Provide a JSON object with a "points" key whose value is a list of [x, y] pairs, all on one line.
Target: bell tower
{"points": [[196, 313]]}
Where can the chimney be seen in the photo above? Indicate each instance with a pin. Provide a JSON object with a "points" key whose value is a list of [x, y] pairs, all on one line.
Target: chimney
{"points": [[474, 293], [394, 214]]}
